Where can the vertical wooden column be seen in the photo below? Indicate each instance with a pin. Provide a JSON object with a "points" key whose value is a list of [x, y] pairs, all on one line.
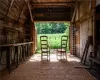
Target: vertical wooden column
{"points": [[33, 37], [77, 39], [93, 4], [71, 40], [33, 30]]}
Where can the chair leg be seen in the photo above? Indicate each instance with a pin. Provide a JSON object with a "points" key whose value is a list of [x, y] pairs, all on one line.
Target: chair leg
{"points": [[56, 55], [60, 56], [41, 55], [66, 55], [47, 56], [63, 55]]}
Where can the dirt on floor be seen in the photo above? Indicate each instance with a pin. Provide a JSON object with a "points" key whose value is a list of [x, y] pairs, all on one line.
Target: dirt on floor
{"points": [[55, 69]]}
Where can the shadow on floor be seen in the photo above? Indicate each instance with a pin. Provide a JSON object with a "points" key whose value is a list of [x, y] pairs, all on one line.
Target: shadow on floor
{"points": [[35, 69]]}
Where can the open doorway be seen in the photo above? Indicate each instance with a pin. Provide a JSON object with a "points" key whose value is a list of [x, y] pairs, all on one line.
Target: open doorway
{"points": [[54, 31]]}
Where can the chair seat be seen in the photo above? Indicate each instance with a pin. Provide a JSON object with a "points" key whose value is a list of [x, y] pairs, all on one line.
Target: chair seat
{"points": [[61, 50], [45, 51]]}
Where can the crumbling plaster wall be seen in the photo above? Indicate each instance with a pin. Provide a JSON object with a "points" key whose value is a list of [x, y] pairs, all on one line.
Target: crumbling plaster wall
{"points": [[85, 31], [84, 19], [97, 2]]}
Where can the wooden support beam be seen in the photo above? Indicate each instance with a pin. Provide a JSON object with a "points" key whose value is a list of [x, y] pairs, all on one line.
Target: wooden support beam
{"points": [[11, 3], [73, 17], [64, 4], [85, 17], [54, 2], [48, 4], [21, 11], [53, 6], [29, 10]]}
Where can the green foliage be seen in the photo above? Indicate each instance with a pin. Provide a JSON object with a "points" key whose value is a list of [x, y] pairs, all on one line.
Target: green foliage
{"points": [[51, 27], [67, 29], [54, 31]]}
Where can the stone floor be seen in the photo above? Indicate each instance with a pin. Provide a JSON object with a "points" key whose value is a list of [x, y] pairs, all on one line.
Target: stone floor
{"points": [[35, 69]]}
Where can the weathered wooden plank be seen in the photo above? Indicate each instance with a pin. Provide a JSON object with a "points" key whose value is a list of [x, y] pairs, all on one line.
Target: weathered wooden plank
{"points": [[16, 44], [29, 10], [74, 14], [86, 16], [5, 4], [21, 10], [11, 3]]}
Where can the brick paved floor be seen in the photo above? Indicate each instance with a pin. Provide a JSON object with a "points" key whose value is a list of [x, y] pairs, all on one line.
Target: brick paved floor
{"points": [[35, 69]]}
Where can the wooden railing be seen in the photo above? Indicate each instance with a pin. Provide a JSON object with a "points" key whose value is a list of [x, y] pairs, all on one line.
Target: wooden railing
{"points": [[21, 51]]}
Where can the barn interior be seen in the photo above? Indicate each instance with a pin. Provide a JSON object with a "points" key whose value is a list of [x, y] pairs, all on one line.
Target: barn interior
{"points": [[18, 36]]}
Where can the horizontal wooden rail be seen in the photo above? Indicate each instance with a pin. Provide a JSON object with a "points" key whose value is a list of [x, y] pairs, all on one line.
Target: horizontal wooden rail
{"points": [[23, 49], [15, 44]]}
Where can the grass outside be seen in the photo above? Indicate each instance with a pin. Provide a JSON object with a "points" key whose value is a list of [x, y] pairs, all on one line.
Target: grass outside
{"points": [[54, 41]]}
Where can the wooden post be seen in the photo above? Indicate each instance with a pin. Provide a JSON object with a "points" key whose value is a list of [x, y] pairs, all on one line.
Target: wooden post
{"points": [[32, 28], [73, 17], [29, 10], [33, 37]]}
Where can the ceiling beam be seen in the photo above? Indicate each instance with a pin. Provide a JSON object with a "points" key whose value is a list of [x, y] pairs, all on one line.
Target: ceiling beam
{"points": [[54, 2], [53, 6]]}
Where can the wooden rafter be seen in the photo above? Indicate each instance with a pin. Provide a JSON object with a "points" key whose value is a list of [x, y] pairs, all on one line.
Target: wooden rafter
{"points": [[11, 3], [30, 12], [73, 17], [21, 10]]}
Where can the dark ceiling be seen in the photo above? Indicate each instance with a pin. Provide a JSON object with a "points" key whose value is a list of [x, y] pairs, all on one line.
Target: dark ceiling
{"points": [[52, 10]]}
